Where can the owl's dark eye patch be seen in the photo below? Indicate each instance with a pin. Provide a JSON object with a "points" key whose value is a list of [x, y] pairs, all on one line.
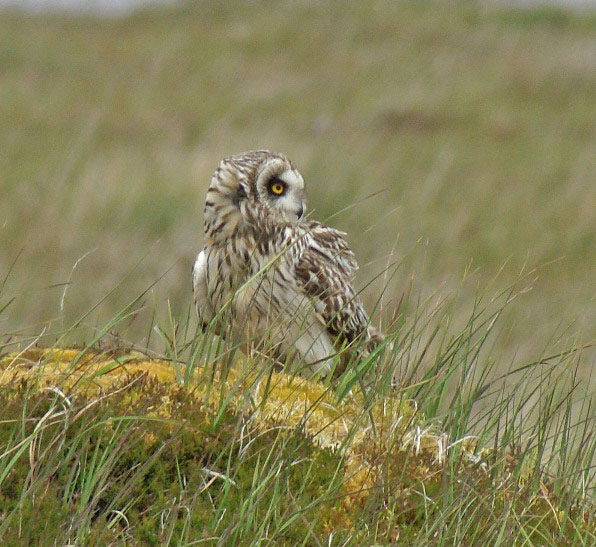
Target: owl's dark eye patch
{"points": [[276, 187]]}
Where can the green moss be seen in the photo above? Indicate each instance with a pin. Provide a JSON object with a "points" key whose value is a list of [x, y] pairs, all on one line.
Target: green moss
{"points": [[139, 459], [113, 457]]}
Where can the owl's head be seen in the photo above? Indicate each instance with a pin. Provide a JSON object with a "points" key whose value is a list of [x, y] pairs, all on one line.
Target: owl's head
{"points": [[279, 188], [258, 182]]}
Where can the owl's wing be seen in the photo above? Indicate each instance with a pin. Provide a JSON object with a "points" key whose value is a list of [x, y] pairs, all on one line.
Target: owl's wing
{"points": [[331, 244], [199, 286], [323, 270]]}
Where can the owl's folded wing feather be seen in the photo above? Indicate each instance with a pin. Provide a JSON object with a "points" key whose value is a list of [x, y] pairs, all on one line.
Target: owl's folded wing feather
{"points": [[323, 272], [331, 244]]}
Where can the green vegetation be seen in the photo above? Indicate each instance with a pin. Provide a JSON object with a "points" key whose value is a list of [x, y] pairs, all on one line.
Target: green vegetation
{"points": [[111, 446], [474, 127], [452, 141], [120, 466]]}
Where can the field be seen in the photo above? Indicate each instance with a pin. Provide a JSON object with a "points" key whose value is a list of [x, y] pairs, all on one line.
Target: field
{"points": [[473, 130], [453, 142]]}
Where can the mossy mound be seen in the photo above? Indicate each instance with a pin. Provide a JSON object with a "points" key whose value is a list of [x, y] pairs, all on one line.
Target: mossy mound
{"points": [[109, 446]]}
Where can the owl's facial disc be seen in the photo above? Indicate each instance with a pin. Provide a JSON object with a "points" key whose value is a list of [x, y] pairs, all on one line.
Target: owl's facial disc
{"points": [[281, 191]]}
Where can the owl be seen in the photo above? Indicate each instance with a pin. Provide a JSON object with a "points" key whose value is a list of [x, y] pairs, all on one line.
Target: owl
{"points": [[269, 279]]}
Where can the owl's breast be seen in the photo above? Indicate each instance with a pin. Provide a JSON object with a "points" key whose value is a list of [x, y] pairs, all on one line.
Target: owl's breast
{"points": [[255, 287], [248, 271]]}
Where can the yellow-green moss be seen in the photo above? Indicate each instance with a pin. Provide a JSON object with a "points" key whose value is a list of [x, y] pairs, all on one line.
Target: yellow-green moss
{"points": [[109, 446]]}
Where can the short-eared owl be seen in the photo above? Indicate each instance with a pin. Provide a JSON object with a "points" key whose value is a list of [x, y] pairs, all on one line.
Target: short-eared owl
{"points": [[268, 278]]}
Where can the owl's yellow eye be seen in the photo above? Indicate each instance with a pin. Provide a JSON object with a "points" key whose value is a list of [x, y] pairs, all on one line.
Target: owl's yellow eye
{"points": [[277, 188]]}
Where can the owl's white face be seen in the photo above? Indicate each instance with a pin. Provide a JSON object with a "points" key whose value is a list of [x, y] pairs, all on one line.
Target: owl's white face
{"points": [[281, 190]]}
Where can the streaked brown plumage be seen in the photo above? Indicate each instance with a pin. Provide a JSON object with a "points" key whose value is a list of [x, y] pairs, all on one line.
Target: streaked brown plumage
{"points": [[267, 278]]}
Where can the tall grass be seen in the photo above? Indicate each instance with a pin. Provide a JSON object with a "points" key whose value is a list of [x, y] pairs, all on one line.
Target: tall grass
{"points": [[438, 444]]}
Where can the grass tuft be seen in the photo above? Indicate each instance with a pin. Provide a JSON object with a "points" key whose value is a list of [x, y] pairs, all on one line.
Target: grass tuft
{"points": [[111, 445]]}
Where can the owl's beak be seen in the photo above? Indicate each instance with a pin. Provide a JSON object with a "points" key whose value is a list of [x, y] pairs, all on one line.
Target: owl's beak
{"points": [[300, 212]]}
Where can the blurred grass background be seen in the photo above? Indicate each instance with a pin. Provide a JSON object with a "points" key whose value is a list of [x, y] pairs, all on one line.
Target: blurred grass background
{"points": [[473, 126]]}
